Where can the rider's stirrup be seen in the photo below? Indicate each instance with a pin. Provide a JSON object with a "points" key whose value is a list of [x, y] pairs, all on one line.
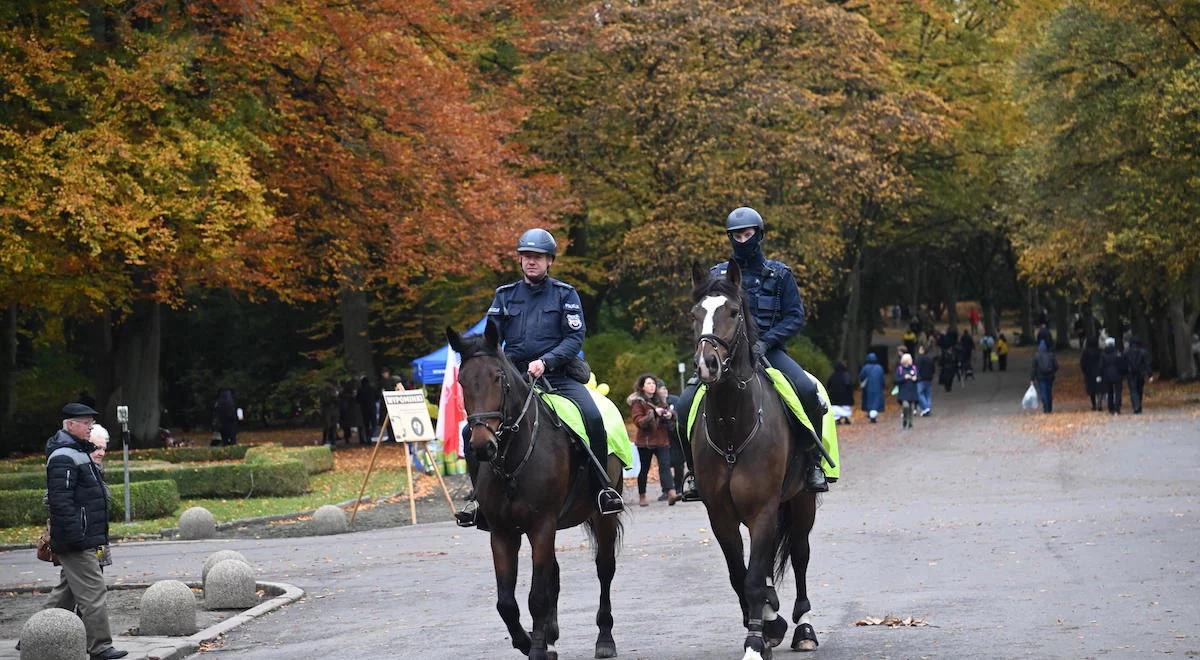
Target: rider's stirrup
{"points": [[690, 492], [613, 500]]}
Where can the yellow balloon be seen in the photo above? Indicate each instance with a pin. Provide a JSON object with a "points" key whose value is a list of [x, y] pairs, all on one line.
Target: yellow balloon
{"points": [[602, 388], [591, 384]]}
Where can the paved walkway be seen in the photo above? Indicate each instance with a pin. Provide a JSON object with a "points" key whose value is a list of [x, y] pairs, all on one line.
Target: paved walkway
{"points": [[1010, 544]]}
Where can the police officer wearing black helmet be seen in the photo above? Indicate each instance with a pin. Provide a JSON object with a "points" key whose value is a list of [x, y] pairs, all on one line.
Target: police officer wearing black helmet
{"points": [[541, 324], [770, 288]]}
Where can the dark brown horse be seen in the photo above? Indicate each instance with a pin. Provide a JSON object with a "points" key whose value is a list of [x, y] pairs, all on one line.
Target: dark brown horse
{"points": [[533, 483], [749, 466]]}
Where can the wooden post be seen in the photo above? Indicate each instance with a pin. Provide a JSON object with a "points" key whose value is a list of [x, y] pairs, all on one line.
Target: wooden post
{"points": [[378, 441], [412, 504], [437, 470]]}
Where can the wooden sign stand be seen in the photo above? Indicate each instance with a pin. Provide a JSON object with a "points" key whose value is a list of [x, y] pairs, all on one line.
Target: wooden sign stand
{"points": [[412, 503]]}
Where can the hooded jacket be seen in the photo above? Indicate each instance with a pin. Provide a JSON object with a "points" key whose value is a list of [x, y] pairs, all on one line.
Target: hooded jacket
{"points": [[651, 429], [872, 378], [75, 495]]}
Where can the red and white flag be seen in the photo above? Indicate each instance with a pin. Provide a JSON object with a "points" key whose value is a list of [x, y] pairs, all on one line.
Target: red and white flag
{"points": [[452, 413]]}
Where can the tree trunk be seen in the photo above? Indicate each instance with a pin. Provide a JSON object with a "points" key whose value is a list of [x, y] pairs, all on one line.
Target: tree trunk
{"points": [[137, 342], [850, 321], [8, 372], [1161, 352], [951, 304], [1113, 324], [1181, 328], [1026, 337], [1062, 322], [356, 342], [988, 302]]}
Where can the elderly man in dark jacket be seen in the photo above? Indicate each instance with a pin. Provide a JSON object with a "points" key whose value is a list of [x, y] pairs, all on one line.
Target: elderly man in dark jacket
{"points": [[78, 503]]}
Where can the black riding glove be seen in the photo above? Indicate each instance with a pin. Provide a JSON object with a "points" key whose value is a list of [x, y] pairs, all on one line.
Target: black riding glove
{"points": [[759, 350]]}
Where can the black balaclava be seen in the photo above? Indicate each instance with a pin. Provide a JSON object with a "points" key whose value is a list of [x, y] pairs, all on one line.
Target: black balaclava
{"points": [[750, 252]]}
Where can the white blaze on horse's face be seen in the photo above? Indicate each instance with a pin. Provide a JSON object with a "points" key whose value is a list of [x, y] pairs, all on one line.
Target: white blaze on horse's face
{"points": [[710, 305]]}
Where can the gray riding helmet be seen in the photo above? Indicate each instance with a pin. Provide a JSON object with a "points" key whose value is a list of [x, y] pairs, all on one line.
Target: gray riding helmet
{"points": [[538, 240], [743, 217]]}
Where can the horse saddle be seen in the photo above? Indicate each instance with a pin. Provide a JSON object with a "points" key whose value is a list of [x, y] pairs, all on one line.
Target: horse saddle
{"points": [[572, 418]]}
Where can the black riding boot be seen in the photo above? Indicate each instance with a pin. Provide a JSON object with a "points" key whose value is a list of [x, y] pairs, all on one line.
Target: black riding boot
{"points": [[688, 491], [471, 516], [815, 408]]}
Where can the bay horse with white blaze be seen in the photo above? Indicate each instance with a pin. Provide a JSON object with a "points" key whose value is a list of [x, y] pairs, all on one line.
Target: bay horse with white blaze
{"points": [[749, 466], [531, 482]]}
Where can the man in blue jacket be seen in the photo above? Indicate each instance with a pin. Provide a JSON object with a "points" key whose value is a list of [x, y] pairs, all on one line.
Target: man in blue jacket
{"points": [[774, 299], [78, 503], [541, 325]]}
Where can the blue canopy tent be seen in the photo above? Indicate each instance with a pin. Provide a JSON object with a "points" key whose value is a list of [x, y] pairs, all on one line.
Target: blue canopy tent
{"points": [[430, 369]]}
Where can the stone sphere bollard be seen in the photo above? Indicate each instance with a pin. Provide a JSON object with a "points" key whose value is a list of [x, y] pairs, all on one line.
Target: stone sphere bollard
{"points": [[168, 608], [197, 523], [230, 585], [218, 557], [328, 519], [53, 634]]}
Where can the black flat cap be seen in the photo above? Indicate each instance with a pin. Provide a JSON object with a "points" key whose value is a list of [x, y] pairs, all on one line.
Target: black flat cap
{"points": [[78, 410]]}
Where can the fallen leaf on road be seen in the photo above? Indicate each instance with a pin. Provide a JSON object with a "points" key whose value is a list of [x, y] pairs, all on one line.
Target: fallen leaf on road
{"points": [[891, 621]]}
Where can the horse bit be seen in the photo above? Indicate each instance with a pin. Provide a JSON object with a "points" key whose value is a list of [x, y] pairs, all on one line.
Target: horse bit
{"points": [[731, 452], [503, 430]]}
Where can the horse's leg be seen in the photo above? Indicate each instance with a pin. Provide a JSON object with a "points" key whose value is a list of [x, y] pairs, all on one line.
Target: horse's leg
{"points": [[764, 529], [541, 540], [552, 618], [803, 512], [605, 530], [505, 546], [726, 528]]}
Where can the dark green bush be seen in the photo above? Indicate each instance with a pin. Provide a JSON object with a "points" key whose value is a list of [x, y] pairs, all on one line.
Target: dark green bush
{"points": [[150, 499], [190, 454], [316, 459], [814, 361], [285, 477]]}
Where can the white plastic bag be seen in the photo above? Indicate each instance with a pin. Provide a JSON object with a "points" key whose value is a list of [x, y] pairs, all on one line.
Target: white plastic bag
{"points": [[1030, 401]]}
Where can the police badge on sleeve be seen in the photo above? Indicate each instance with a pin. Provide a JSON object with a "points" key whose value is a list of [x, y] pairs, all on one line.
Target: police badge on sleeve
{"points": [[574, 321]]}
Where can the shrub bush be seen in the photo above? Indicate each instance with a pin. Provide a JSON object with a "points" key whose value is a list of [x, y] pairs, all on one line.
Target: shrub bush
{"points": [[618, 359], [315, 459], [150, 499], [284, 477], [191, 454], [814, 361]]}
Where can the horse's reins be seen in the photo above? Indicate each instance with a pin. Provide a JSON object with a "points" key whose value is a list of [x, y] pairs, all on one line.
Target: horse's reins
{"points": [[502, 429], [731, 452]]}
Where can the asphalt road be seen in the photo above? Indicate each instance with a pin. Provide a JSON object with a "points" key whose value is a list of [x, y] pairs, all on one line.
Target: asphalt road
{"points": [[1008, 542]]}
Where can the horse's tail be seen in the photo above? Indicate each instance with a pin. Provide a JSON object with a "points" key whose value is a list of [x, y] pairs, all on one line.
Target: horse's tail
{"points": [[589, 528], [783, 542]]}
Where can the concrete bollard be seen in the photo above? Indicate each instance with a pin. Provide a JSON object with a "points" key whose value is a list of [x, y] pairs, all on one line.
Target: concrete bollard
{"points": [[168, 608], [197, 523], [53, 634], [328, 519], [217, 557], [230, 585]]}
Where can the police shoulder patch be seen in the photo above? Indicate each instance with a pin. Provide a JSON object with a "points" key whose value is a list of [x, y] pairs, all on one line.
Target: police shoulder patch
{"points": [[571, 307], [574, 321]]}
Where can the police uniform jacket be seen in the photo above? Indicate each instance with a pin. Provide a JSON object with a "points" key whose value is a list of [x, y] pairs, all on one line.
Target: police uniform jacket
{"points": [[773, 297], [541, 321]]}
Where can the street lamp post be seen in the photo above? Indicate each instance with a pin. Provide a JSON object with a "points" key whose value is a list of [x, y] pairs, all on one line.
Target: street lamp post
{"points": [[123, 418]]}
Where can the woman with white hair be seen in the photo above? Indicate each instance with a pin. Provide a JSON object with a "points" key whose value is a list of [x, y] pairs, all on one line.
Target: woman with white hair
{"points": [[906, 386], [1113, 369], [99, 438]]}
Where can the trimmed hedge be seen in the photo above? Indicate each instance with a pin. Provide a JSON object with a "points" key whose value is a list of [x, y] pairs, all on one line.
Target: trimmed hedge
{"points": [[284, 477], [190, 454], [150, 499], [316, 459]]}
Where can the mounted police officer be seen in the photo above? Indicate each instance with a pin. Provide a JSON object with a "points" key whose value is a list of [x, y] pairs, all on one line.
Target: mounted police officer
{"points": [[541, 324], [774, 299]]}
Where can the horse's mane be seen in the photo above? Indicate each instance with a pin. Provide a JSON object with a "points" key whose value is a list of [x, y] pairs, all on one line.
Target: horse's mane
{"points": [[719, 286], [477, 346]]}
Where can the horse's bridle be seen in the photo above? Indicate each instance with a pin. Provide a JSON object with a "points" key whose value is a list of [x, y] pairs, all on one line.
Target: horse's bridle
{"points": [[732, 451], [503, 431], [730, 347]]}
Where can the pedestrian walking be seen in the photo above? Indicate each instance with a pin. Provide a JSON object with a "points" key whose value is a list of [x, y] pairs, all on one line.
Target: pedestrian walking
{"points": [[348, 414], [1113, 370], [966, 350], [328, 402], [925, 372], [905, 380], [1002, 352], [1138, 361], [1043, 335], [975, 318], [871, 381], [840, 388], [948, 361], [677, 460], [78, 502], [1045, 366], [651, 417], [987, 348], [225, 412], [1089, 364], [910, 339], [365, 397]]}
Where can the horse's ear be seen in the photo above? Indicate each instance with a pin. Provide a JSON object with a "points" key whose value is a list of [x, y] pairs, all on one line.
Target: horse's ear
{"points": [[734, 274], [699, 275], [454, 338], [491, 333]]}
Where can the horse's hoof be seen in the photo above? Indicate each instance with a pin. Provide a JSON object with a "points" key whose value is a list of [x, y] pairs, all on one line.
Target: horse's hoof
{"points": [[523, 644], [551, 654], [805, 639], [775, 631], [606, 649]]}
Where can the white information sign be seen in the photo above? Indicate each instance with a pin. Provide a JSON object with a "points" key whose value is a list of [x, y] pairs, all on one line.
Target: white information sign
{"points": [[409, 416]]}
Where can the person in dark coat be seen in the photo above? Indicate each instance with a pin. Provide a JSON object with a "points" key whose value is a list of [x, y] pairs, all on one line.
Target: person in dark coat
{"points": [[840, 389], [905, 378], [1043, 335], [872, 379], [348, 408], [1113, 369], [949, 367], [78, 502], [677, 460], [225, 412], [966, 350], [1089, 364], [328, 400], [1138, 361], [651, 416], [365, 397], [925, 372], [1045, 366]]}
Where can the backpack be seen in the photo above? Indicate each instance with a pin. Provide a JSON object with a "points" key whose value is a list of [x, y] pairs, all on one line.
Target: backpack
{"points": [[1046, 364]]}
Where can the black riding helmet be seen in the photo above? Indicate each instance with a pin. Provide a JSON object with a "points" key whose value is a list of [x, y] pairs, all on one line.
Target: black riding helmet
{"points": [[745, 217], [538, 240]]}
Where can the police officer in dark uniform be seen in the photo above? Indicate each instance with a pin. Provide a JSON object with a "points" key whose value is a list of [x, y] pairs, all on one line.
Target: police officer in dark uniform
{"points": [[541, 324], [774, 299]]}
